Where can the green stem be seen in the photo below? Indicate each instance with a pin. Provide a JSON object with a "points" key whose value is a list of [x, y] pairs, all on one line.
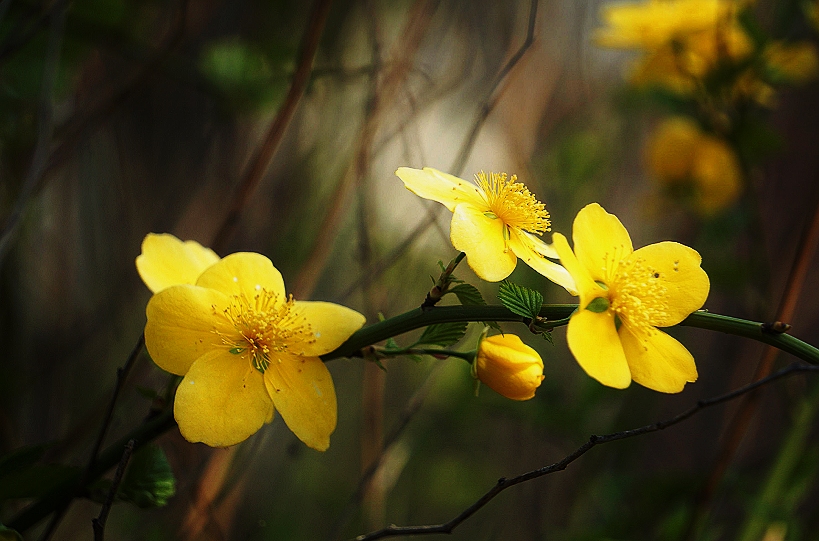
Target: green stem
{"points": [[468, 356], [555, 315]]}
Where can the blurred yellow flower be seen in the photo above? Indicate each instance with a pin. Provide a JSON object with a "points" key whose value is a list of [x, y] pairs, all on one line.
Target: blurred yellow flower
{"points": [[167, 261], [624, 295], [679, 154], [793, 62], [245, 348], [682, 40], [508, 366], [494, 222]]}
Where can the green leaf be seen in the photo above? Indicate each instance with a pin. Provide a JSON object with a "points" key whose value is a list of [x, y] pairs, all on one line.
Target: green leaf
{"points": [[391, 344], [468, 295], [520, 300], [7, 534], [149, 480], [443, 334], [598, 305]]}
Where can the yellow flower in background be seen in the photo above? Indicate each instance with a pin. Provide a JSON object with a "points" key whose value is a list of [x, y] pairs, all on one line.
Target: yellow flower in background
{"points": [[682, 40], [246, 349], [794, 62], [494, 221], [625, 294], [680, 154], [508, 366], [167, 261]]}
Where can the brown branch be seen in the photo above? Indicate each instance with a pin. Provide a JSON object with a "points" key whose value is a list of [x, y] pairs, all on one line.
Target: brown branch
{"points": [[593, 441], [98, 523], [496, 91], [411, 408], [275, 133], [747, 408]]}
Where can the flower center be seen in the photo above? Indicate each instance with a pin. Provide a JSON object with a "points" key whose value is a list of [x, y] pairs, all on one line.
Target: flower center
{"points": [[265, 327], [513, 203], [637, 295]]}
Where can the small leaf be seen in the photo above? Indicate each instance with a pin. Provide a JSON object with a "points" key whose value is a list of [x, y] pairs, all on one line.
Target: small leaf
{"points": [[7, 534], [443, 334], [149, 480], [391, 344], [468, 295], [520, 300]]}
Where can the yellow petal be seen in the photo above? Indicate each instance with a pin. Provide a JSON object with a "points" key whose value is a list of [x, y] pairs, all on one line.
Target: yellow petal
{"points": [[167, 261], [600, 241], [658, 361], [303, 392], [244, 273], [595, 344], [183, 324], [221, 401], [583, 283], [680, 273], [524, 246], [331, 324], [481, 238], [438, 186], [509, 367]]}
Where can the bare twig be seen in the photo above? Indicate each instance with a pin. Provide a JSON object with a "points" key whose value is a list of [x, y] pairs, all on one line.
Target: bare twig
{"points": [[496, 91], [411, 408], [745, 413], [98, 523], [275, 133], [504, 483], [45, 126]]}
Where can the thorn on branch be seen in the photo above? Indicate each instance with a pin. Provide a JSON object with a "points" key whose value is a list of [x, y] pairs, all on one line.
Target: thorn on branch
{"points": [[775, 327]]}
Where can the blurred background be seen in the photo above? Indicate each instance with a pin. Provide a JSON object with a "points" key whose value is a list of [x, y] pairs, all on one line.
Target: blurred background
{"points": [[123, 117]]}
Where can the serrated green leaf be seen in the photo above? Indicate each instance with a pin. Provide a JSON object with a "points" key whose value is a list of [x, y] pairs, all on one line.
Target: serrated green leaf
{"points": [[149, 480], [520, 300], [493, 325], [443, 334], [468, 295]]}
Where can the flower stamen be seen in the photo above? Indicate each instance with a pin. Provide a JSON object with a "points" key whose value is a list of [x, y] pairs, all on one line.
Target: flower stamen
{"points": [[513, 203]]}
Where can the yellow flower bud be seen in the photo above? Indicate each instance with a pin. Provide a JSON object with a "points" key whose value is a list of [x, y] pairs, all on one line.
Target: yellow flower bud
{"points": [[670, 151], [509, 367], [717, 175]]}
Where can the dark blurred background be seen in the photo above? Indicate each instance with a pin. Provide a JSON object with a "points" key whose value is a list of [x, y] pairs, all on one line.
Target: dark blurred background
{"points": [[122, 117]]}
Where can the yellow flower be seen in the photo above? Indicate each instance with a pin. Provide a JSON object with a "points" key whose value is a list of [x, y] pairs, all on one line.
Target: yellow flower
{"points": [[245, 348], [794, 62], [509, 367], [683, 40], [167, 261], [494, 222], [624, 295], [680, 154]]}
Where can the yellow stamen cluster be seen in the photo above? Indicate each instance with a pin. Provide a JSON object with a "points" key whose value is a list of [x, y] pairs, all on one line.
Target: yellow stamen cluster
{"points": [[264, 326], [513, 203], [638, 296]]}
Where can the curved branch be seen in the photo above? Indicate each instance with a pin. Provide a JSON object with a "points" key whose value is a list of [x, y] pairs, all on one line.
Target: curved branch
{"points": [[593, 441]]}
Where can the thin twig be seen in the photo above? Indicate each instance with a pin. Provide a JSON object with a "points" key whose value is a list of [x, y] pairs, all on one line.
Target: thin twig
{"points": [[45, 127], [745, 413], [488, 105], [504, 483], [411, 408], [98, 524], [275, 133]]}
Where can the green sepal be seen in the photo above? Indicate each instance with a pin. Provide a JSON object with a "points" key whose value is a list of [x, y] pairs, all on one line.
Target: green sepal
{"points": [[598, 305]]}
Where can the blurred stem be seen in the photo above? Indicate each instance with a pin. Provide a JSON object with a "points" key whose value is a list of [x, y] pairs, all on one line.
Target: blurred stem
{"points": [[555, 315], [467, 356], [773, 495]]}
